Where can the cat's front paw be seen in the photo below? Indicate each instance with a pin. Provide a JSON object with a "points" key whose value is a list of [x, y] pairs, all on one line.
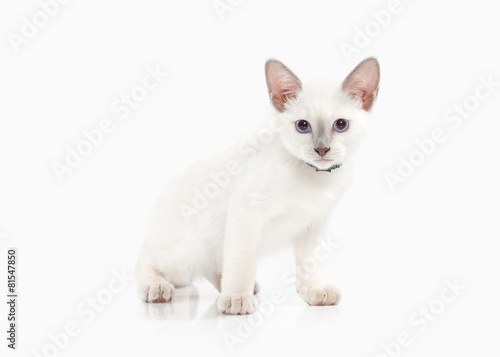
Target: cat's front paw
{"points": [[321, 295], [237, 304], [157, 292]]}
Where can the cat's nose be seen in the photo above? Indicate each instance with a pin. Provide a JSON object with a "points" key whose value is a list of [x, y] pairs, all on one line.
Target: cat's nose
{"points": [[321, 151]]}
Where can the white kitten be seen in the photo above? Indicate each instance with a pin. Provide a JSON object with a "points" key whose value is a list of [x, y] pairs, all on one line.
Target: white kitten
{"points": [[218, 215]]}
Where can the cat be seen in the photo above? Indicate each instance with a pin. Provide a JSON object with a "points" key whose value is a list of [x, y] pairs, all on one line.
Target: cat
{"points": [[218, 215]]}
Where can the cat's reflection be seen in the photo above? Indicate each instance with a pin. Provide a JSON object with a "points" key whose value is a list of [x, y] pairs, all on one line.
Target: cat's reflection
{"points": [[184, 306], [312, 315]]}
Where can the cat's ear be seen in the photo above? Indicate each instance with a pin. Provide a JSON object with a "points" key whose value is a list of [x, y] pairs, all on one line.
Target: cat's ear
{"points": [[283, 84], [362, 83]]}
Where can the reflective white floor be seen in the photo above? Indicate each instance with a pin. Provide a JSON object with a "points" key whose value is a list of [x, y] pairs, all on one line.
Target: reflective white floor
{"points": [[283, 324], [437, 317], [399, 307]]}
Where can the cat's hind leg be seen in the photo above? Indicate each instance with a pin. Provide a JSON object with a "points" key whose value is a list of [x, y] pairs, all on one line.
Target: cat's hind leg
{"points": [[215, 278], [151, 284]]}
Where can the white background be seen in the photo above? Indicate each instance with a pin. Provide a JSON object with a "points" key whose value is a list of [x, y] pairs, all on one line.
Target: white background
{"points": [[394, 249]]}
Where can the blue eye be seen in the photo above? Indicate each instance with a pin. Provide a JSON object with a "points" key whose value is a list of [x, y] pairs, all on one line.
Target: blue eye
{"points": [[340, 125], [303, 126]]}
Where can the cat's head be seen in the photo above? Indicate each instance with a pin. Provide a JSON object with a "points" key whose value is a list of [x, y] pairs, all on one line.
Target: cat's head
{"points": [[323, 123]]}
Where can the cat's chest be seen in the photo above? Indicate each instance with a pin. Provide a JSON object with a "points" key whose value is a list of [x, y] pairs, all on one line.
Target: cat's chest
{"points": [[305, 199], [279, 231], [288, 218]]}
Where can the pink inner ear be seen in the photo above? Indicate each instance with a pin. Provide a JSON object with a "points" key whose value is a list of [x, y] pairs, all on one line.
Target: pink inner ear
{"points": [[282, 84], [362, 83]]}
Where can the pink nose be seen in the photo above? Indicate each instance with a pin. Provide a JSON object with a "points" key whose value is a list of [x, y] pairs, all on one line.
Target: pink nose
{"points": [[321, 151]]}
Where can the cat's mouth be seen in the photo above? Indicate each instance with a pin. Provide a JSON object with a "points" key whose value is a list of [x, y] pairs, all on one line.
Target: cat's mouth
{"points": [[329, 169]]}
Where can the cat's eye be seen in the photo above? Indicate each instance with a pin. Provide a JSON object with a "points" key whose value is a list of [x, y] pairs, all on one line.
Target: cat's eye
{"points": [[340, 125], [303, 126]]}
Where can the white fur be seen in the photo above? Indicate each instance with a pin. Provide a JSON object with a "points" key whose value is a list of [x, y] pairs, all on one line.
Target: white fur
{"points": [[275, 200]]}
